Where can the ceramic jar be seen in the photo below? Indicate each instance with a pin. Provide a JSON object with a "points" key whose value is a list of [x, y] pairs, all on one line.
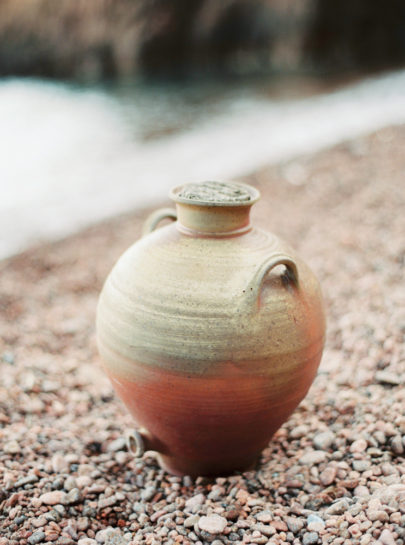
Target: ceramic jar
{"points": [[211, 331]]}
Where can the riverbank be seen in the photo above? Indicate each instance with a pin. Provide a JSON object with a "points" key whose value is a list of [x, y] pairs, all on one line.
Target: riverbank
{"points": [[76, 156], [335, 471]]}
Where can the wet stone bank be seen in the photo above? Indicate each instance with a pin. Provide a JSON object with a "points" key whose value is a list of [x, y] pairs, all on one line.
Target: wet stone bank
{"points": [[334, 473]]}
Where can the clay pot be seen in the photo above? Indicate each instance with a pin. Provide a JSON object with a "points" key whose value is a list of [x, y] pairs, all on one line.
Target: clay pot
{"points": [[211, 332]]}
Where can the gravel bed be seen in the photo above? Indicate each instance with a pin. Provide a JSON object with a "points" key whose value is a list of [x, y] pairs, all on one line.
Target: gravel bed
{"points": [[334, 473]]}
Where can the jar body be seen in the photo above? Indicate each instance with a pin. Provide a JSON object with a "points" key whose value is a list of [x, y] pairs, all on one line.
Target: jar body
{"points": [[208, 362]]}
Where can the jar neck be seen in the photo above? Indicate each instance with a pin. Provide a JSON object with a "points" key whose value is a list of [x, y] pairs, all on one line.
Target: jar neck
{"points": [[213, 221]]}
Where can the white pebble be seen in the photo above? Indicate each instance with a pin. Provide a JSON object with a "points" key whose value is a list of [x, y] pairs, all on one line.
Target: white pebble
{"points": [[12, 447], [213, 524], [313, 457]]}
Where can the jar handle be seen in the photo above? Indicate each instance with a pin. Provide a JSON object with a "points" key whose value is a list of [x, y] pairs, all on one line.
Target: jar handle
{"points": [[153, 219], [255, 285]]}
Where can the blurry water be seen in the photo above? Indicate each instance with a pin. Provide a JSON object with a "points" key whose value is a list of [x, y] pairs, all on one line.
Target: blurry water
{"points": [[72, 156]]}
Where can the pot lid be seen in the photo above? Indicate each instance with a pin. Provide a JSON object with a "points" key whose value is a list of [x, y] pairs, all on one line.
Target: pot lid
{"points": [[215, 194]]}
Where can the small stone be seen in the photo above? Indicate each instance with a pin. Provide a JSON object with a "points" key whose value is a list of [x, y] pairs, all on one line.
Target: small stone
{"points": [[12, 447], [121, 457], [36, 537], [387, 538], [242, 496], [29, 479], [148, 493], [213, 524], [377, 514], [73, 496], [397, 445], [309, 538], [232, 513], [107, 502], [264, 516], [265, 529], [324, 440], [53, 498], [385, 377], [118, 444], [361, 491], [8, 357], [82, 481], [328, 475], [69, 483], [57, 483], [315, 523], [65, 540], [190, 521], [110, 536], [359, 446], [193, 504], [294, 524], [38, 522], [86, 541], [299, 431], [313, 457], [361, 465], [279, 525], [83, 524], [59, 464], [338, 508]]}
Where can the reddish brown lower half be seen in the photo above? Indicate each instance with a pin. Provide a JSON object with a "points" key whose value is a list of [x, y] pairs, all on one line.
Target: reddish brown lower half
{"points": [[211, 425]]}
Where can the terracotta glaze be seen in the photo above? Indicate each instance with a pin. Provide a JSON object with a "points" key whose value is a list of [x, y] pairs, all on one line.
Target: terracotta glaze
{"points": [[211, 331]]}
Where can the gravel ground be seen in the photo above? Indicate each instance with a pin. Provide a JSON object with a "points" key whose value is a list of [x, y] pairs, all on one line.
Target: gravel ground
{"points": [[334, 473]]}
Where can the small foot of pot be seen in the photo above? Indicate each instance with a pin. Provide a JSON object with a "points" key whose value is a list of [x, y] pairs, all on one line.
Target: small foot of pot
{"points": [[212, 468]]}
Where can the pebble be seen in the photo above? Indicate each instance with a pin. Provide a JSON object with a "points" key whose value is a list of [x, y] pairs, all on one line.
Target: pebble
{"points": [[118, 444], [191, 520], [110, 536], [12, 447], [338, 507], [59, 464], [397, 445], [377, 514], [148, 493], [299, 431], [361, 465], [193, 504], [107, 502], [359, 445], [324, 440], [82, 481], [315, 523], [387, 538], [313, 457], [69, 483], [264, 516], [53, 498], [361, 491], [265, 529], [294, 524], [328, 475], [309, 538], [213, 524], [86, 541], [36, 537], [384, 377], [73, 496], [38, 522], [29, 479]]}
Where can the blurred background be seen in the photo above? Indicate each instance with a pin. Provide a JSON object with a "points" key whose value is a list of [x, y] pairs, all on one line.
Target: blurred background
{"points": [[105, 104]]}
